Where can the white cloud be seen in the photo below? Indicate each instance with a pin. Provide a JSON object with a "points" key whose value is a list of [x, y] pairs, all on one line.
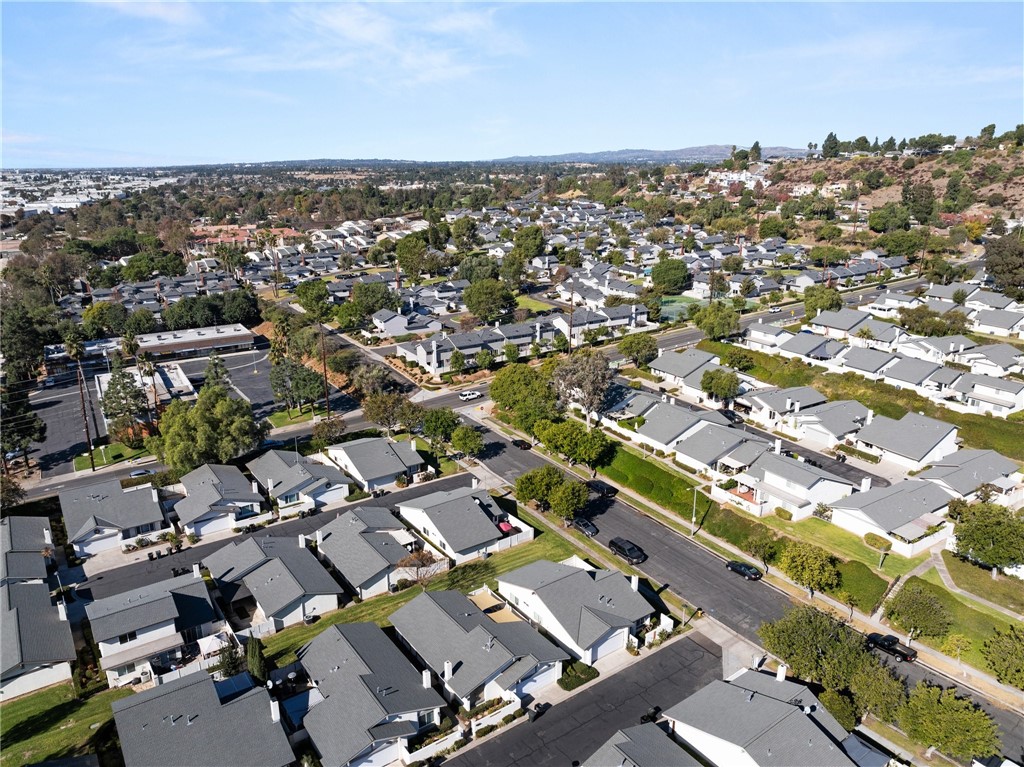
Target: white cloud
{"points": [[177, 13]]}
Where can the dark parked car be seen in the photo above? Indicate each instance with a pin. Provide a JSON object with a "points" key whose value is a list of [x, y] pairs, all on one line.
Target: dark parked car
{"points": [[749, 572], [522, 444], [732, 416], [890, 644], [627, 550], [603, 489], [585, 526]]}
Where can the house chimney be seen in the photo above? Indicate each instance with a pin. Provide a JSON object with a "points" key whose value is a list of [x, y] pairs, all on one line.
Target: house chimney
{"points": [[319, 538], [447, 670], [536, 332], [634, 582], [275, 711], [789, 404], [302, 541], [475, 482], [870, 416], [196, 573], [865, 484], [47, 538], [426, 679], [796, 406], [62, 610], [778, 447], [780, 674], [255, 486]]}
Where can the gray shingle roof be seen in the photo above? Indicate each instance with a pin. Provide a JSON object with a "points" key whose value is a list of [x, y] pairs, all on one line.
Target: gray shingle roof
{"points": [[812, 345], [185, 722], [445, 626], [22, 541], [359, 547], [911, 371], [769, 725], [891, 508], [999, 318], [185, 600], [714, 442], [681, 364], [776, 399], [31, 630], [867, 360], [844, 319], [106, 503], [283, 472], [646, 745], [378, 457], [966, 470], [799, 473], [277, 571], [212, 485], [465, 517], [913, 436], [587, 603], [838, 418], [364, 679]]}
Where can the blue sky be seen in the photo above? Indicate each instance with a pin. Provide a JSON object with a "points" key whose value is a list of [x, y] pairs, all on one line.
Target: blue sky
{"points": [[126, 83]]}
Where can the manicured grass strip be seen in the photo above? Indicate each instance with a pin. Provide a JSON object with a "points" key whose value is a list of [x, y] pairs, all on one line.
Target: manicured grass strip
{"points": [[283, 418], [655, 482], [53, 723], [1005, 590], [525, 302], [281, 647], [972, 620], [114, 453], [864, 586]]}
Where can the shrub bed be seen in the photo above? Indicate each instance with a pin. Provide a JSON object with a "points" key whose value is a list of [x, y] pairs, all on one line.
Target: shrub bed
{"points": [[577, 674]]}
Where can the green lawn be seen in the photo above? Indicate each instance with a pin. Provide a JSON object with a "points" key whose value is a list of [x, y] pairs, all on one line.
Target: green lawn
{"points": [[631, 372], [1005, 590], [107, 455], [443, 464], [864, 586], [281, 647], [843, 543], [974, 621], [525, 302], [977, 431], [53, 723], [664, 486], [289, 418]]}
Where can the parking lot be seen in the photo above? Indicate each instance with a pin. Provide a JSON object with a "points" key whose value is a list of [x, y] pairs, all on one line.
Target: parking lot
{"points": [[60, 407]]}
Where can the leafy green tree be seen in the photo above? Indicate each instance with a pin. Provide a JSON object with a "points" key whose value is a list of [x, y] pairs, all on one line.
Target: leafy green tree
{"points": [[11, 493], [1004, 259], [720, 384], [488, 298], [889, 218], [484, 359], [539, 484], [384, 409], [327, 432], [411, 252], [529, 243], [877, 690], [216, 372], [1004, 653], [919, 199], [956, 726], [841, 706], [568, 499], [765, 547], [371, 297], [314, 298], [255, 661], [772, 226], [956, 645], [671, 276], [213, 429], [477, 268], [594, 448], [439, 424], [815, 645], [104, 319], [140, 321], [755, 152], [410, 415], [918, 612], [526, 392], [370, 379], [467, 440], [992, 535], [512, 269], [457, 364], [584, 378], [123, 401], [830, 146], [19, 426], [716, 320], [819, 298], [464, 232], [809, 566], [640, 348]]}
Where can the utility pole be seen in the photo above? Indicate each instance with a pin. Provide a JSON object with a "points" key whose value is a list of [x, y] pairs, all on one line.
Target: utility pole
{"points": [[85, 419]]}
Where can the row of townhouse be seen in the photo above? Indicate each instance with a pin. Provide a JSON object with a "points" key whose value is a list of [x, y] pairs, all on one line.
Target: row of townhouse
{"points": [[988, 312]]}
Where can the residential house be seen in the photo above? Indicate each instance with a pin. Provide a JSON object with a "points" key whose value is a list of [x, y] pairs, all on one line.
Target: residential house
{"points": [[762, 337], [376, 462], [774, 481], [591, 613], [969, 474], [913, 442], [366, 699], [464, 523], [391, 324], [759, 720], [644, 745], [908, 373], [273, 580], [372, 550], [216, 498], [828, 424], [909, 514], [26, 548], [888, 305], [142, 631], [299, 483], [720, 451], [810, 346], [935, 349], [202, 723], [770, 406], [985, 394], [685, 370], [104, 516], [996, 360], [36, 646], [659, 423], [870, 363], [475, 657], [998, 322]]}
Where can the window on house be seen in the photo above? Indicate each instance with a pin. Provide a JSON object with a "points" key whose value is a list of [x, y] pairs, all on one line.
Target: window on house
{"points": [[125, 670], [131, 636]]}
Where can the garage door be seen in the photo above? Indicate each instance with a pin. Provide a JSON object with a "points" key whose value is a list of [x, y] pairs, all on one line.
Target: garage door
{"points": [[101, 543], [212, 525], [544, 676], [382, 756], [608, 645]]}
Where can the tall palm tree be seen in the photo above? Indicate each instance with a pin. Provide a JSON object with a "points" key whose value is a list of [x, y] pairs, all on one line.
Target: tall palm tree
{"points": [[74, 345], [129, 345]]}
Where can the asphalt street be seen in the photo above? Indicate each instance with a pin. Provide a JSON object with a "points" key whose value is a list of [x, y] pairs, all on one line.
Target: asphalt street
{"points": [[700, 576], [573, 730]]}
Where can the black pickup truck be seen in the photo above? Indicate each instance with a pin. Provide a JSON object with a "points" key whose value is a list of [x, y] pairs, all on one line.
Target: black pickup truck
{"points": [[890, 644]]}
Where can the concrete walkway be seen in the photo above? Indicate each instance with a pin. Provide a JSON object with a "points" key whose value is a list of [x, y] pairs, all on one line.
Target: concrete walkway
{"points": [[937, 560]]}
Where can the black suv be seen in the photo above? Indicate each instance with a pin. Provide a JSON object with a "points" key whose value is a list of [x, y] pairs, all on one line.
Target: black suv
{"points": [[627, 550], [603, 489], [890, 644], [585, 526], [749, 572]]}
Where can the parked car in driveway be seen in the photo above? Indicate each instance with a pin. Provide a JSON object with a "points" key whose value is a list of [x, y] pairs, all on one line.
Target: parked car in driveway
{"points": [[469, 396], [887, 643], [627, 550], [585, 526], [749, 572]]}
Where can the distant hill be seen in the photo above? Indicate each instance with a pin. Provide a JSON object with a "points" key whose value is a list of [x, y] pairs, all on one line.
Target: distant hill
{"points": [[708, 153]]}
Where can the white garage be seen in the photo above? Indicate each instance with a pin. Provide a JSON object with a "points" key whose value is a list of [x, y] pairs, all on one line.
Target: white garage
{"points": [[615, 640], [545, 674], [215, 524], [99, 540]]}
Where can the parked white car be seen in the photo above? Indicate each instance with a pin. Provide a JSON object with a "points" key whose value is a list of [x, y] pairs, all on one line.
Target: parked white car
{"points": [[468, 396]]}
